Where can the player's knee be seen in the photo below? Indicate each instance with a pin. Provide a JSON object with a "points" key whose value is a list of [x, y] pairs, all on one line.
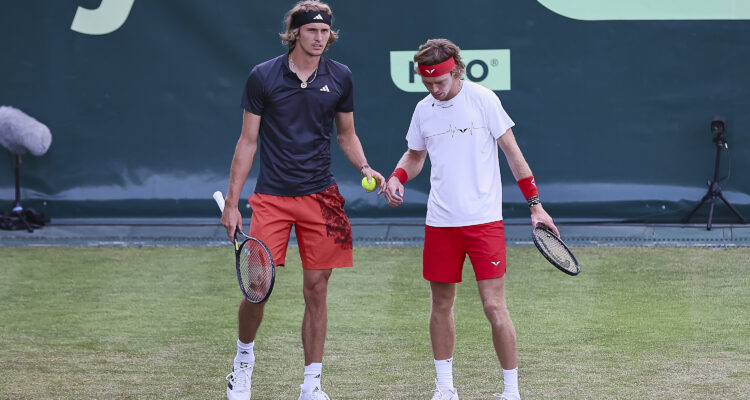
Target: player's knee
{"points": [[442, 305], [496, 313], [315, 293]]}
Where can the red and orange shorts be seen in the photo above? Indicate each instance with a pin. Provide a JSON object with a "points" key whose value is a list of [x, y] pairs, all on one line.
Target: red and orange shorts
{"points": [[323, 231], [445, 249]]}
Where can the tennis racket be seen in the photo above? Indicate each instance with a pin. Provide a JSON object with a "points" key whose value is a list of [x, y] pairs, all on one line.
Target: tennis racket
{"points": [[555, 250], [256, 271]]}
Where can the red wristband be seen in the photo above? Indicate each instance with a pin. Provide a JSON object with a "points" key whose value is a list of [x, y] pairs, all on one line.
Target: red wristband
{"points": [[399, 173], [528, 187]]}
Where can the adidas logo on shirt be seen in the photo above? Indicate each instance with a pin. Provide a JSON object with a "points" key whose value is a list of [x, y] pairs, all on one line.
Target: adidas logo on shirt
{"points": [[325, 89], [318, 17]]}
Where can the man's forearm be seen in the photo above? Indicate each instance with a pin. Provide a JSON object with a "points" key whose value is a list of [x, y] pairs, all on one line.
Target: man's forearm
{"points": [[412, 162], [244, 155], [352, 149]]}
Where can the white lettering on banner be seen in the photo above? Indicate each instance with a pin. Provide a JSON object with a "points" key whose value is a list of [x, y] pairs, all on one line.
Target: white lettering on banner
{"points": [[108, 18]]}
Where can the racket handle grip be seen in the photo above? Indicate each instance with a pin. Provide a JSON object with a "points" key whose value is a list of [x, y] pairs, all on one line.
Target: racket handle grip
{"points": [[219, 198]]}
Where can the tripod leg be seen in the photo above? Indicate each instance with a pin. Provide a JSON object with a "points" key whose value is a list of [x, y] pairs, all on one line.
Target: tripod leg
{"points": [[711, 213], [695, 209], [25, 222], [734, 210]]}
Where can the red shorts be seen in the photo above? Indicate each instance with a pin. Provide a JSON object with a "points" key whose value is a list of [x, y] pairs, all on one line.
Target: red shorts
{"points": [[445, 250], [320, 223]]}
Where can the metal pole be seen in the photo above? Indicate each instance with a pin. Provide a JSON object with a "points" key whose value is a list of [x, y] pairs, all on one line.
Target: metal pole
{"points": [[17, 206]]}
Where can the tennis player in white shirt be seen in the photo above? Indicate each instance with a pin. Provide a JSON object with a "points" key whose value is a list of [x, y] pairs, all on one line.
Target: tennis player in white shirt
{"points": [[460, 125]]}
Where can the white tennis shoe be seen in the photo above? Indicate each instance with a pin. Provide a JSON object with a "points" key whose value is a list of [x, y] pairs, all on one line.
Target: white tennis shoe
{"points": [[239, 382], [507, 396], [443, 393], [316, 394]]}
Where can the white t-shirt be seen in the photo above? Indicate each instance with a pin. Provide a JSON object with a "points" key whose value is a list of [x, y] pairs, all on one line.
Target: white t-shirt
{"points": [[460, 136]]}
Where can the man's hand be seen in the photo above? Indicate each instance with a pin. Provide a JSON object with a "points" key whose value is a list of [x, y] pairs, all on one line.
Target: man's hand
{"points": [[540, 217], [394, 192], [370, 173], [231, 219]]}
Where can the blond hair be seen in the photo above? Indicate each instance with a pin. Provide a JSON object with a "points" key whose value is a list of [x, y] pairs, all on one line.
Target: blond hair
{"points": [[290, 35], [435, 51]]}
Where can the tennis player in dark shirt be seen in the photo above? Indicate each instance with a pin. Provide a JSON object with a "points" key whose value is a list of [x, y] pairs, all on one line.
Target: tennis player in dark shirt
{"points": [[290, 106]]}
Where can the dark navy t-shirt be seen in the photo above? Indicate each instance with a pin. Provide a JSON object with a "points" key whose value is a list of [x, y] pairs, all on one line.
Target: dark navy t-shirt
{"points": [[296, 124]]}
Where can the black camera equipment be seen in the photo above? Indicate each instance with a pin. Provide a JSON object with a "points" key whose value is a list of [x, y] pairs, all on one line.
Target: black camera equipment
{"points": [[718, 129]]}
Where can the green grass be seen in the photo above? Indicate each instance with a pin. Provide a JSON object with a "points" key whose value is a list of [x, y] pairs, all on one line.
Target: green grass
{"points": [[160, 323]]}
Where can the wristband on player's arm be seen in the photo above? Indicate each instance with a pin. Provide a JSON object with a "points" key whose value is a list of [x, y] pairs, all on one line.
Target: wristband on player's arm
{"points": [[400, 174], [529, 190]]}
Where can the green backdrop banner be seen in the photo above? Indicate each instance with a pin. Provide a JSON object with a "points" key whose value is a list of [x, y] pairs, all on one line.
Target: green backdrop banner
{"points": [[612, 108]]}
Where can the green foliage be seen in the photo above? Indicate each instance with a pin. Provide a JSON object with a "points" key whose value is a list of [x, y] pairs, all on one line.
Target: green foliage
{"points": [[159, 323]]}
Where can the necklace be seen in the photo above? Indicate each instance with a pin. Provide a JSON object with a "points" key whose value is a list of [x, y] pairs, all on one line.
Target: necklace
{"points": [[295, 70]]}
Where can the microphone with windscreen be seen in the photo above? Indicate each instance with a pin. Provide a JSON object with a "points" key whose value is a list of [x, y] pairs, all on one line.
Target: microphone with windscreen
{"points": [[21, 134]]}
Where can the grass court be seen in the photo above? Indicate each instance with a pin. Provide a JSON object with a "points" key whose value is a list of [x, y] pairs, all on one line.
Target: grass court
{"points": [[160, 323]]}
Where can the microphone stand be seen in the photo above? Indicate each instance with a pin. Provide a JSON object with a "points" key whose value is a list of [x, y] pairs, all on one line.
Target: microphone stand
{"points": [[714, 190], [15, 218], [17, 208]]}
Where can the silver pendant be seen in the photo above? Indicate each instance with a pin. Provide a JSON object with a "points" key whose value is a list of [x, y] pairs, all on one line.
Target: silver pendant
{"points": [[303, 85]]}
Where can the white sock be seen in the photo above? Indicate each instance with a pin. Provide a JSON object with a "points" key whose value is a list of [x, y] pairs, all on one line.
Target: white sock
{"points": [[510, 381], [245, 353], [444, 369], [312, 377]]}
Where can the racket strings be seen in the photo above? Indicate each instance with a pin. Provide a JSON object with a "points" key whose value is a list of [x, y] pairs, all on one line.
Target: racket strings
{"points": [[256, 272], [555, 249]]}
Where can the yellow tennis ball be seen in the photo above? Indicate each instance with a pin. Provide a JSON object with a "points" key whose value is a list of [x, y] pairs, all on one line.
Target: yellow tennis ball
{"points": [[369, 185]]}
